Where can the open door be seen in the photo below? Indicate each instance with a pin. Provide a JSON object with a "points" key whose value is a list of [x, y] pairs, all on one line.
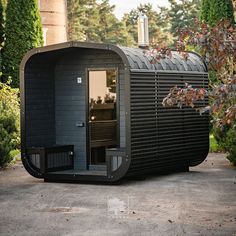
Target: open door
{"points": [[102, 116]]}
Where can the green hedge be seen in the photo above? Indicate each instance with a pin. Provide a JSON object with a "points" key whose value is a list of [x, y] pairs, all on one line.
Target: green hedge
{"points": [[212, 11], [9, 122], [23, 31], [226, 138]]}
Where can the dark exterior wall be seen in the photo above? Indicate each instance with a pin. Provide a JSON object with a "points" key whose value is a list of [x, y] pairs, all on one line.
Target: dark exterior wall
{"points": [[70, 97], [39, 103], [121, 89], [165, 137]]}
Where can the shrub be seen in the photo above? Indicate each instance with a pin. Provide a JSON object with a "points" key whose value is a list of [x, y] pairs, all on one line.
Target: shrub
{"points": [[226, 138], [9, 122], [214, 146]]}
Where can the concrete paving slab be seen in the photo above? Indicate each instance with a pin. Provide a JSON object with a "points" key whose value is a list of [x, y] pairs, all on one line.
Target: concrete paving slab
{"points": [[199, 202]]}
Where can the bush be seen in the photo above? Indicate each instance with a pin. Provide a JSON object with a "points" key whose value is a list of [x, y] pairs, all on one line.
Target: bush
{"points": [[23, 32], [226, 138], [214, 146], [9, 122]]}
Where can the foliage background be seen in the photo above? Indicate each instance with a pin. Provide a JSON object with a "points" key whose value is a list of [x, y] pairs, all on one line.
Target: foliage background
{"points": [[9, 122], [23, 31]]}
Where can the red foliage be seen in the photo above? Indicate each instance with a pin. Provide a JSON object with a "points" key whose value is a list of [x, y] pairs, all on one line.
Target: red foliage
{"points": [[218, 47]]}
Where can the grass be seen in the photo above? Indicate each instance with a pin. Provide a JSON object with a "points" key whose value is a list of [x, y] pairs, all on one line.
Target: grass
{"points": [[214, 147]]}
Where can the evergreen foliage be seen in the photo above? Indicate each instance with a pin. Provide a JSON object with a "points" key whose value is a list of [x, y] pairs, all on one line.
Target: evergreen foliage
{"points": [[226, 138], [94, 21], [212, 11], [205, 10], [74, 27], [2, 31], [158, 27], [111, 30], [9, 122], [2, 20], [182, 14], [23, 32]]}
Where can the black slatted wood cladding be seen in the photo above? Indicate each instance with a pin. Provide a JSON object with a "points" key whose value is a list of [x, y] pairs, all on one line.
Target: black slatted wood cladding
{"points": [[93, 112]]}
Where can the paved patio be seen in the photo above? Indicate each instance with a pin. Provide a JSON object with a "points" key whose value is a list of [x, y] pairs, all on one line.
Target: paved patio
{"points": [[201, 202]]}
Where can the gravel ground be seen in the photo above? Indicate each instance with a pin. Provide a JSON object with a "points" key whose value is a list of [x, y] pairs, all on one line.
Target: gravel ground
{"points": [[199, 202]]}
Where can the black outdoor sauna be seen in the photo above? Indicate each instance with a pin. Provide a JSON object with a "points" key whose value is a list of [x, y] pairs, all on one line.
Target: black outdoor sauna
{"points": [[93, 112]]}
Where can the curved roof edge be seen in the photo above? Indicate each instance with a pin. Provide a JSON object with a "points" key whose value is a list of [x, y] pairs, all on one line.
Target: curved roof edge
{"points": [[74, 44], [134, 58], [142, 59]]}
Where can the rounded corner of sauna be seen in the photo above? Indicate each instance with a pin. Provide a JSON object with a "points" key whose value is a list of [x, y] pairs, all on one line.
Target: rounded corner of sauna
{"points": [[27, 57], [32, 168], [73, 123], [202, 157], [116, 173]]}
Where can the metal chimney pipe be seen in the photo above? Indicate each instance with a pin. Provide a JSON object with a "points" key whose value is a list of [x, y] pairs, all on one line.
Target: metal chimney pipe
{"points": [[143, 31]]}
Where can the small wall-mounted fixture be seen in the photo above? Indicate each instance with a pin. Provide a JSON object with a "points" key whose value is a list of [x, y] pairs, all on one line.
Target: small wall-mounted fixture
{"points": [[79, 80]]}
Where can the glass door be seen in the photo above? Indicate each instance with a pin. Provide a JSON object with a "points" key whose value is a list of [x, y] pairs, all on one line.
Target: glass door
{"points": [[102, 114]]}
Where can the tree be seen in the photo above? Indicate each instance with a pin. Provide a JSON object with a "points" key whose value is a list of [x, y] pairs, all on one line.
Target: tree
{"points": [[74, 11], [214, 10], [182, 14], [217, 45], [111, 30], [94, 21], [23, 32], [157, 26], [83, 20], [130, 21], [90, 21]]}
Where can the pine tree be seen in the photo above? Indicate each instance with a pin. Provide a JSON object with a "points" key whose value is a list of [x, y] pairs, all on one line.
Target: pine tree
{"points": [[83, 20], [111, 30], [93, 21], [205, 9], [74, 12], [157, 27], [212, 11], [106, 20], [182, 14], [130, 21], [23, 32], [90, 21]]}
